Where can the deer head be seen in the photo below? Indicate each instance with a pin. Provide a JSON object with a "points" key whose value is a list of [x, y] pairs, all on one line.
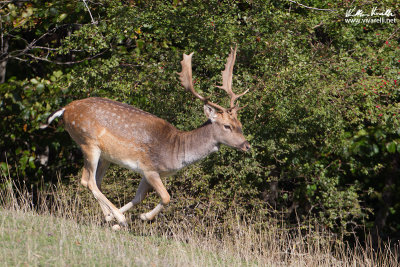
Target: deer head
{"points": [[228, 128]]}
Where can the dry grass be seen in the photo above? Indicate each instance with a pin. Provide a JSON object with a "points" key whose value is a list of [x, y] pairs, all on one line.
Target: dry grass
{"points": [[62, 231]]}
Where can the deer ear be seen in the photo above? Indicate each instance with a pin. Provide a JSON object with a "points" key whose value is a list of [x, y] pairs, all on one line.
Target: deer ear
{"points": [[210, 112]]}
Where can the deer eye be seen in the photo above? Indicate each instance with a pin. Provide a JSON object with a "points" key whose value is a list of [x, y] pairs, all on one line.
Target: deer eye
{"points": [[228, 127]]}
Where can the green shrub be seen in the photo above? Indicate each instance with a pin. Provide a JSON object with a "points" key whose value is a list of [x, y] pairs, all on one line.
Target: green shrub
{"points": [[323, 103]]}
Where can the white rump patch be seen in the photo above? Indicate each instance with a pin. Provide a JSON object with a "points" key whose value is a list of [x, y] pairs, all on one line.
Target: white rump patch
{"points": [[55, 115]]}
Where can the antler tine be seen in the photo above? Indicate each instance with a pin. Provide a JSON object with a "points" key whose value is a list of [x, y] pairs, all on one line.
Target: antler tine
{"points": [[227, 79], [185, 76]]}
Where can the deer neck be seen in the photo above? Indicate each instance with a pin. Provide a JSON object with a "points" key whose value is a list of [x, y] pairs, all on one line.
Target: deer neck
{"points": [[197, 144]]}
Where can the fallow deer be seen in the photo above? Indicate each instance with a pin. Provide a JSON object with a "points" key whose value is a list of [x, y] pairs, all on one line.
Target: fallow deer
{"points": [[112, 132]]}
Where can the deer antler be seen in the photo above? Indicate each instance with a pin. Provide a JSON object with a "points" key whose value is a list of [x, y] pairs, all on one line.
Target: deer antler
{"points": [[185, 76], [227, 80]]}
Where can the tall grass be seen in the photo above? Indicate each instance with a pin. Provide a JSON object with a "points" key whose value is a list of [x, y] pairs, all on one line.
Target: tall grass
{"points": [[59, 226]]}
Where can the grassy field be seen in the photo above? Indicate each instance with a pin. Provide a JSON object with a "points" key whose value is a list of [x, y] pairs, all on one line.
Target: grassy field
{"points": [[57, 235], [28, 239]]}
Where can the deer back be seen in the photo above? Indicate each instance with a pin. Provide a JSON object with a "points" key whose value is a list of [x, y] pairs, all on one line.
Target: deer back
{"points": [[123, 133]]}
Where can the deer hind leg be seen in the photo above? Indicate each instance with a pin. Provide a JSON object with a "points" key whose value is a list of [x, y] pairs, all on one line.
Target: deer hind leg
{"points": [[102, 167], [85, 177], [154, 180], [141, 193], [85, 183], [92, 157]]}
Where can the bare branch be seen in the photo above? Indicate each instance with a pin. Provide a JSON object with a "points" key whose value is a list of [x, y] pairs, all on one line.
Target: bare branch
{"points": [[61, 62], [44, 48], [123, 64], [313, 8], [13, 1], [16, 54], [17, 58], [30, 45], [55, 49], [90, 13]]}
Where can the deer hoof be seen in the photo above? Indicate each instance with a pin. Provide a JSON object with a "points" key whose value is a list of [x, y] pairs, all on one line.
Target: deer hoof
{"points": [[116, 227], [143, 217], [123, 224], [109, 218], [120, 218]]}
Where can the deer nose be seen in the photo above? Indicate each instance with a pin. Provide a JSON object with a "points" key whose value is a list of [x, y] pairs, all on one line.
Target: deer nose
{"points": [[245, 146]]}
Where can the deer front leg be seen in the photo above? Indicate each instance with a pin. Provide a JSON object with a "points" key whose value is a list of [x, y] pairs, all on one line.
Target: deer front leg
{"points": [[153, 178], [141, 193]]}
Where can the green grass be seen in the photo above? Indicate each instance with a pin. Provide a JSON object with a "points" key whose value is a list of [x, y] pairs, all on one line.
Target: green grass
{"points": [[28, 239], [71, 232]]}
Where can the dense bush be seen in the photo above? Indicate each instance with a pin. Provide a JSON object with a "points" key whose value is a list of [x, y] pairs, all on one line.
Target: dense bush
{"points": [[323, 103]]}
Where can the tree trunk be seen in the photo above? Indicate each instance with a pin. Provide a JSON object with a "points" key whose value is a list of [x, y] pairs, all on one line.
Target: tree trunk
{"points": [[387, 200], [3, 64]]}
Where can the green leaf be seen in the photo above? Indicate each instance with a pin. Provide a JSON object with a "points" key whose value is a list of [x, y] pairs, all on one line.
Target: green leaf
{"points": [[57, 73], [40, 88], [32, 162], [361, 132], [61, 17], [375, 149], [3, 166], [391, 147], [34, 81]]}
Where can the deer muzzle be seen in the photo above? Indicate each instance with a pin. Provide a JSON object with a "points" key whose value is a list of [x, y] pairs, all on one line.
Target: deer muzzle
{"points": [[245, 146]]}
